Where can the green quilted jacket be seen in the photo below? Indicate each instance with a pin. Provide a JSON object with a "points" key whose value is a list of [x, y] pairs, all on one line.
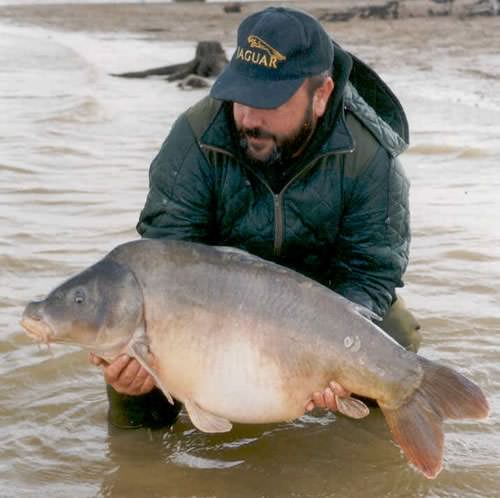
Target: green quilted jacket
{"points": [[338, 214]]}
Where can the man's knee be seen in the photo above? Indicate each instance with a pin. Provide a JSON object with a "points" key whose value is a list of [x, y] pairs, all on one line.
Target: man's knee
{"points": [[402, 326], [148, 410]]}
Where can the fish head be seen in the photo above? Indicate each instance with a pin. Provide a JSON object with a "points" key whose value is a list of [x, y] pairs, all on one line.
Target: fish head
{"points": [[99, 309]]}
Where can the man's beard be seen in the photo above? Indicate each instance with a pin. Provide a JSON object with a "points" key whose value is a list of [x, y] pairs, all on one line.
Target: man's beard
{"points": [[283, 149]]}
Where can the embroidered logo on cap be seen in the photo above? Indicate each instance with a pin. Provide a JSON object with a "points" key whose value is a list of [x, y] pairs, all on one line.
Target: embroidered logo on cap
{"points": [[265, 55]]}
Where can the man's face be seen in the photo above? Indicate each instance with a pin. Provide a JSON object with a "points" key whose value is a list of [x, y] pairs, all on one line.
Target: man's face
{"points": [[270, 135]]}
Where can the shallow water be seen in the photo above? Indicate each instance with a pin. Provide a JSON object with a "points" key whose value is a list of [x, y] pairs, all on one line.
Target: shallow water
{"points": [[75, 145]]}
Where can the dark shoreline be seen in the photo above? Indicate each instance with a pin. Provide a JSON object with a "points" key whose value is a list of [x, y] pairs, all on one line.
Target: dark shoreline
{"points": [[419, 40], [201, 21]]}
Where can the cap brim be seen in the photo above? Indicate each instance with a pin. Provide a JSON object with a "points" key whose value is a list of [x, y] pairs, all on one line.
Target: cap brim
{"points": [[253, 92]]}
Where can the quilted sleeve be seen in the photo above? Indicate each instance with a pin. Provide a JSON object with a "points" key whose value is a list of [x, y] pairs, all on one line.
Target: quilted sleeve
{"points": [[372, 248], [179, 202]]}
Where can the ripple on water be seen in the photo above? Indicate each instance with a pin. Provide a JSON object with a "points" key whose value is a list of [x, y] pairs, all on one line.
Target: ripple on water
{"points": [[75, 109], [467, 255], [480, 289], [17, 170], [34, 264], [196, 462], [464, 152], [63, 150]]}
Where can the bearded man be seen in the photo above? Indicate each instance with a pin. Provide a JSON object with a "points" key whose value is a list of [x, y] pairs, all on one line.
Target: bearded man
{"points": [[292, 157]]}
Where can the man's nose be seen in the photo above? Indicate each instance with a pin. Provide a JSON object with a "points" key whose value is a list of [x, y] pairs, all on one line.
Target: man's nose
{"points": [[251, 117]]}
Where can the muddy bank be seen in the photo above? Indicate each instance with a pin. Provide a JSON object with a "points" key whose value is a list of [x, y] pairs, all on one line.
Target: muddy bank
{"points": [[373, 20]]}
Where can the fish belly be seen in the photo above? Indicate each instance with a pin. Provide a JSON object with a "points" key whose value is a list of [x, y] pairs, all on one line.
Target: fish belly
{"points": [[232, 378]]}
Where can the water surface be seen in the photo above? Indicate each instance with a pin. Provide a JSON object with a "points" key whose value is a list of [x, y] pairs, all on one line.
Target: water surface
{"points": [[75, 146]]}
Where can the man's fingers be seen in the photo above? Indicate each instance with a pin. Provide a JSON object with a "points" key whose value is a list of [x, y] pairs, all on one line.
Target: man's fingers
{"points": [[319, 400], [310, 406], [329, 397], [135, 380], [128, 376], [148, 385], [97, 361], [115, 369], [140, 379], [125, 375], [325, 399], [339, 390]]}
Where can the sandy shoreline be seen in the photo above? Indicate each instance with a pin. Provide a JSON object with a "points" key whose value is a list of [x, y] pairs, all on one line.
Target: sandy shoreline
{"points": [[202, 21], [415, 40]]}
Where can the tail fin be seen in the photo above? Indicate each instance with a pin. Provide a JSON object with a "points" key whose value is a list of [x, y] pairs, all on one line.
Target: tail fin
{"points": [[417, 424]]}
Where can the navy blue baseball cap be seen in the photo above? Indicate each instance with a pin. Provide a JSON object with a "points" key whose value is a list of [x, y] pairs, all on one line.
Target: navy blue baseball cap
{"points": [[278, 48]]}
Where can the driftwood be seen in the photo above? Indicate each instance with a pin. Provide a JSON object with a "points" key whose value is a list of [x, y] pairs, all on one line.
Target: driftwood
{"points": [[445, 11], [193, 82], [232, 8], [390, 9], [406, 8], [209, 60], [483, 8], [386, 11]]}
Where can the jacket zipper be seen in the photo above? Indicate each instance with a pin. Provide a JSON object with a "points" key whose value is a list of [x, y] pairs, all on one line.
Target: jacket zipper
{"points": [[279, 223], [279, 219]]}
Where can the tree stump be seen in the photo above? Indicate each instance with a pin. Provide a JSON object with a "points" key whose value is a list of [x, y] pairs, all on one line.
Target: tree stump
{"points": [[232, 8], [210, 59], [193, 82]]}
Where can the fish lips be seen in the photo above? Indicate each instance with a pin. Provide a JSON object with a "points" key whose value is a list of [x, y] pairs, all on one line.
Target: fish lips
{"points": [[37, 329]]}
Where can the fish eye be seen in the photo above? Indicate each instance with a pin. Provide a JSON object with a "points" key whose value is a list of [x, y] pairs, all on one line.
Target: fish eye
{"points": [[79, 297]]}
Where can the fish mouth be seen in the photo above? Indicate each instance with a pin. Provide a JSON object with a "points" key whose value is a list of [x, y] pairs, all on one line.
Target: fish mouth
{"points": [[38, 330]]}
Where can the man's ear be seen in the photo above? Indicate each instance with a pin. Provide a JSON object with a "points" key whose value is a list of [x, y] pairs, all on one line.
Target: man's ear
{"points": [[321, 96]]}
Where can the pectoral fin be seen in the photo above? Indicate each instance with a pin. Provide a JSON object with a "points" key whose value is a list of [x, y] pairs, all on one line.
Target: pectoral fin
{"points": [[206, 421], [351, 407], [140, 351]]}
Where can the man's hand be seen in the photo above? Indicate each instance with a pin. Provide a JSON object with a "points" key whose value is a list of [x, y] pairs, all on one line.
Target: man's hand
{"points": [[326, 399], [125, 375]]}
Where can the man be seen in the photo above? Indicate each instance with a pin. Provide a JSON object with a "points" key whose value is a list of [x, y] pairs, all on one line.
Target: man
{"points": [[292, 158]]}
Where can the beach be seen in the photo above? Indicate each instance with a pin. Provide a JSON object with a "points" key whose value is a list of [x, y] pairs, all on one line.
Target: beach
{"points": [[201, 21], [416, 39], [75, 147]]}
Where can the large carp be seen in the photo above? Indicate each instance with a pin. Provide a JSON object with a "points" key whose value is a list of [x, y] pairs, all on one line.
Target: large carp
{"points": [[237, 338]]}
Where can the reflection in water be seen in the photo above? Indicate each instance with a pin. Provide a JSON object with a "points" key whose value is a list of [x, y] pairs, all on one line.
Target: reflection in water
{"points": [[253, 460], [76, 145]]}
